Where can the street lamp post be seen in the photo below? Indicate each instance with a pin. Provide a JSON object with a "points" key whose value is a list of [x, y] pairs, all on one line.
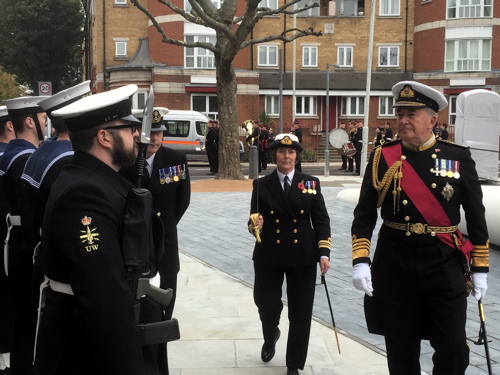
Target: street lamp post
{"points": [[327, 123]]}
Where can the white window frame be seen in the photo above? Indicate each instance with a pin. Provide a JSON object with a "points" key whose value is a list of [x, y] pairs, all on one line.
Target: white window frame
{"points": [[385, 106], [388, 51], [343, 57], [452, 111], [389, 7], [472, 61], [310, 56], [139, 99], [202, 58], [341, 5], [121, 45], [305, 106], [208, 97], [353, 106], [272, 105], [266, 49], [312, 12], [456, 9], [271, 4], [189, 8], [120, 2]]}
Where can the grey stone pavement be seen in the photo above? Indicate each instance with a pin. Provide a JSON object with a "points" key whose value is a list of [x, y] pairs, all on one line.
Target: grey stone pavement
{"points": [[213, 232]]}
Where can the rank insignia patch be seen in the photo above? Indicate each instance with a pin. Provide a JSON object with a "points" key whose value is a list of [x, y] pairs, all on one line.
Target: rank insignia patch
{"points": [[89, 236]]}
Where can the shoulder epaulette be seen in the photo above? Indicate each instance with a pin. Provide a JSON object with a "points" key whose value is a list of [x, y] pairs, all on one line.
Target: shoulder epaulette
{"points": [[391, 143], [452, 143]]}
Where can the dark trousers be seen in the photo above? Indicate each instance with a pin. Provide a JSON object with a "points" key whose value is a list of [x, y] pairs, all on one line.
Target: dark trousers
{"points": [[357, 156], [262, 159], [213, 159], [301, 283], [421, 294], [344, 161]]}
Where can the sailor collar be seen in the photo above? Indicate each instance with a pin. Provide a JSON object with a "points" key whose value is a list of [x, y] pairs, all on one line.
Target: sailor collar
{"points": [[423, 146]]}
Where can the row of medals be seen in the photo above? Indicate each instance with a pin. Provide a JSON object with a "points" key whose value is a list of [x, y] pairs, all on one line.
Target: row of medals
{"points": [[446, 168], [172, 174], [310, 187]]}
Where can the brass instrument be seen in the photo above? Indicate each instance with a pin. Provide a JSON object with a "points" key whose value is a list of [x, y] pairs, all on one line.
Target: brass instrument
{"points": [[248, 126]]}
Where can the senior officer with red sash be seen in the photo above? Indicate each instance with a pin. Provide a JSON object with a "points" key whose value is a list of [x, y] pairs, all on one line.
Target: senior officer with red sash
{"points": [[415, 288]]}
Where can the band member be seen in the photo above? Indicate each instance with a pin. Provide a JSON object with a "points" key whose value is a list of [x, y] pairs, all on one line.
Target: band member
{"points": [[288, 216], [29, 121], [357, 140], [343, 156], [415, 288], [88, 325], [387, 132]]}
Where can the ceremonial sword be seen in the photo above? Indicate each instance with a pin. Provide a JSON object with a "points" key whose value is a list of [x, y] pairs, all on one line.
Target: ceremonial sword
{"points": [[483, 338], [331, 311]]}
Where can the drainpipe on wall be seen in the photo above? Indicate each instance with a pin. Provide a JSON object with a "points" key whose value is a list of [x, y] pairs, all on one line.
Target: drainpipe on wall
{"points": [[104, 44]]}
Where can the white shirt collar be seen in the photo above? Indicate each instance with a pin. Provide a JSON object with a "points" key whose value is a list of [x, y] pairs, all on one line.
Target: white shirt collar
{"points": [[290, 175]]}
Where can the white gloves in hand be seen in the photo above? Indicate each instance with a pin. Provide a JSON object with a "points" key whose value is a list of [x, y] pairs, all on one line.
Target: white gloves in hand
{"points": [[479, 284], [362, 278]]}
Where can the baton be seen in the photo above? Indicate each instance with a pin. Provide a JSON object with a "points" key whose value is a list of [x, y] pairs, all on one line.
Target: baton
{"points": [[331, 311], [483, 338]]}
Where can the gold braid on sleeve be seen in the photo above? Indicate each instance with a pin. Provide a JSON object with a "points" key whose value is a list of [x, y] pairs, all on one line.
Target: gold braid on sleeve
{"points": [[394, 174], [360, 247], [480, 255]]}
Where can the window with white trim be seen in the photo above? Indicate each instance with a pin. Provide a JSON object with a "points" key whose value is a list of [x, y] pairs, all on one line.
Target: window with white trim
{"points": [[347, 8], [189, 8], [468, 55], [139, 99], [121, 49], [305, 105], [312, 12], [344, 56], [206, 104], [273, 105], [120, 2], [469, 8], [353, 105], [452, 110], [310, 57], [199, 57], [268, 55], [389, 7], [388, 56], [385, 106], [271, 4]]}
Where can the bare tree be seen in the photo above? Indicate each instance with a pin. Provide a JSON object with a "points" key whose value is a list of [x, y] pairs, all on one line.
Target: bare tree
{"points": [[232, 35]]}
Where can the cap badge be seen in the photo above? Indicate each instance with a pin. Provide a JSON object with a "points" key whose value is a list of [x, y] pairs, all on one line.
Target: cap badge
{"points": [[286, 141], [407, 92], [156, 117]]}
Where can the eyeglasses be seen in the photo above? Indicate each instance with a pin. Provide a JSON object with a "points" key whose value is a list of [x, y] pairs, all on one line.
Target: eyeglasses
{"points": [[133, 128]]}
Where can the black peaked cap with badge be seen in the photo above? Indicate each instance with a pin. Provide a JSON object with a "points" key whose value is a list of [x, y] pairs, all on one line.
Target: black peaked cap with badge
{"points": [[286, 140], [65, 97], [415, 94], [99, 109]]}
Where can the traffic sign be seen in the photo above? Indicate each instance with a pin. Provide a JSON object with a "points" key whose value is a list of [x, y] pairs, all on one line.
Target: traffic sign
{"points": [[44, 88]]}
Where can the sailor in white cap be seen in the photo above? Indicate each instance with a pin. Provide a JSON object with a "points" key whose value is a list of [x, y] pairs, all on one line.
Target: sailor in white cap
{"points": [[415, 288], [288, 216], [82, 246], [6, 307], [43, 168], [29, 121]]}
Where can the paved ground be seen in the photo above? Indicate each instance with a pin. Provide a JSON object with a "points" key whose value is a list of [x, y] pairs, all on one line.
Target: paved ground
{"points": [[213, 230]]}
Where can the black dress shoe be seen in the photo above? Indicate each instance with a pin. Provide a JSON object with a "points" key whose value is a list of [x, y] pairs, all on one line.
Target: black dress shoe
{"points": [[348, 170], [267, 353], [292, 371]]}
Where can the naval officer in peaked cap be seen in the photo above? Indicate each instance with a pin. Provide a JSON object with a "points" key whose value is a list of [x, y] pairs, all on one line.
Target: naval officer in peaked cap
{"points": [[288, 216], [415, 287], [88, 324], [29, 121]]}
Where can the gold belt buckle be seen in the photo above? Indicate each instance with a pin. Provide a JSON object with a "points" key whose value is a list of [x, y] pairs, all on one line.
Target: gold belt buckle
{"points": [[418, 228]]}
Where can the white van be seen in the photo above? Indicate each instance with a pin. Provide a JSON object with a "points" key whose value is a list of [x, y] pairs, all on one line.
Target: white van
{"points": [[186, 132]]}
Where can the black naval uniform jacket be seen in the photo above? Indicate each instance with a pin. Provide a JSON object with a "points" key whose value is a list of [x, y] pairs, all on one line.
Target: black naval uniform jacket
{"points": [[170, 202], [93, 331], [293, 227], [450, 192]]}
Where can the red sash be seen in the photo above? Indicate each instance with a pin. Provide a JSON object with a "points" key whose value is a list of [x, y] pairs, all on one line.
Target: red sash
{"points": [[425, 202]]}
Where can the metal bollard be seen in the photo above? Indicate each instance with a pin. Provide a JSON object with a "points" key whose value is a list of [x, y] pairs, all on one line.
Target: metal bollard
{"points": [[253, 159]]}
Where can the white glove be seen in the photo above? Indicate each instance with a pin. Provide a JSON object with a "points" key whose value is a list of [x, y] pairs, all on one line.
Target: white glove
{"points": [[362, 278], [479, 284]]}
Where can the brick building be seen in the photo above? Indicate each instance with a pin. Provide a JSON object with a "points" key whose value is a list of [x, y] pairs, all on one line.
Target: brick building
{"points": [[413, 39]]}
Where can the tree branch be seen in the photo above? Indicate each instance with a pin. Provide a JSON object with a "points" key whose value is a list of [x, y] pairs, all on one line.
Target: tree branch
{"points": [[299, 33]]}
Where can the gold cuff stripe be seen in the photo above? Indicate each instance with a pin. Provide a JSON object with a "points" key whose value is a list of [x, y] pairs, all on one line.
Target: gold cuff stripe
{"points": [[325, 243], [486, 247], [360, 253], [360, 247]]}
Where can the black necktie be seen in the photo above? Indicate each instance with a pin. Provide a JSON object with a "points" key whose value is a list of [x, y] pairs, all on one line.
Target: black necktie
{"points": [[286, 186]]}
